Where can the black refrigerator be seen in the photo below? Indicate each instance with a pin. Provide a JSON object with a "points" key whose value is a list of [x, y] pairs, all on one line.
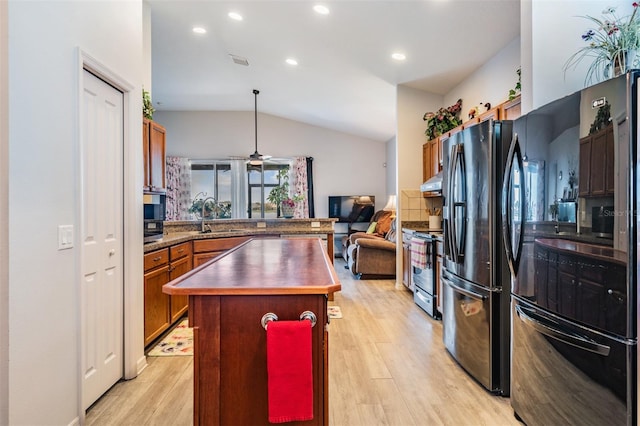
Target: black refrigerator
{"points": [[475, 275], [574, 337]]}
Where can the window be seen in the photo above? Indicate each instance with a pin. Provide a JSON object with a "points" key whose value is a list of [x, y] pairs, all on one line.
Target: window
{"points": [[213, 180], [261, 180]]}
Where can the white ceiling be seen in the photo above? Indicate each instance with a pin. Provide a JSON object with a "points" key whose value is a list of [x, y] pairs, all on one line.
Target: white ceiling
{"points": [[345, 79]]}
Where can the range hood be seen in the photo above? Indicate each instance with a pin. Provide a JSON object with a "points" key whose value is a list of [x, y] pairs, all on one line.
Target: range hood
{"points": [[434, 184]]}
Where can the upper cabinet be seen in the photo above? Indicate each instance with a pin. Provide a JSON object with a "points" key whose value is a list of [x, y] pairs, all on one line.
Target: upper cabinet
{"points": [[153, 147], [596, 177], [510, 110]]}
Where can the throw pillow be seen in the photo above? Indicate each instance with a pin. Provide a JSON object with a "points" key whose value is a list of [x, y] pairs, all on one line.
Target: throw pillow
{"points": [[372, 228]]}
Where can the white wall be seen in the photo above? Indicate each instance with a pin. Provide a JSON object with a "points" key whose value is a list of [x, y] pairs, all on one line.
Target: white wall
{"points": [[392, 169], [343, 164], [44, 365], [489, 83], [4, 217], [551, 32]]}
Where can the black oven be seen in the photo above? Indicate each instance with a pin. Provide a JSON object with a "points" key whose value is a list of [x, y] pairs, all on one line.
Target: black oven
{"points": [[154, 215], [424, 273]]}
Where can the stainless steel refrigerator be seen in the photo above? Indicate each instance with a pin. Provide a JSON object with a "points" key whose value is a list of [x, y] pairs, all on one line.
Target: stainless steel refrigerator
{"points": [[475, 276], [574, 336]]}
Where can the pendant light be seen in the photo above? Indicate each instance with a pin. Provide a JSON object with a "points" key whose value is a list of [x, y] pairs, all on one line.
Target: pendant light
{"points": [[256, 158]]}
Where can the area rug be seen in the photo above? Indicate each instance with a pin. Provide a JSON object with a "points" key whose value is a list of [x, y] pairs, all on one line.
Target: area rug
{"points": [[178, 342], [334, 312]]}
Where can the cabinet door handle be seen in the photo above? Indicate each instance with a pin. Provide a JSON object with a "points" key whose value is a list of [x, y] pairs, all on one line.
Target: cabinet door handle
{"points": [[156, 259], [180, 250]]}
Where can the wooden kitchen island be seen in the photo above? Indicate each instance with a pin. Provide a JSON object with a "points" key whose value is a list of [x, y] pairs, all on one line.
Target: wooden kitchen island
{"points": [[228, 298]]}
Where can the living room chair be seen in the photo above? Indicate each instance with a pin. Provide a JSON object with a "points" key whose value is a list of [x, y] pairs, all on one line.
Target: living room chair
{"points": [[373, 257]]}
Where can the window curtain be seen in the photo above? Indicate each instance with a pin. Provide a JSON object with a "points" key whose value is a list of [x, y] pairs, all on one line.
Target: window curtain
{"points": [[301, 186], [239, 189], [178, 175]]}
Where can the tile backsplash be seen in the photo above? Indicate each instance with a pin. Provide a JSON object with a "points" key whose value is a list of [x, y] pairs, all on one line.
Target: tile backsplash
{"points": [[415, 207]]}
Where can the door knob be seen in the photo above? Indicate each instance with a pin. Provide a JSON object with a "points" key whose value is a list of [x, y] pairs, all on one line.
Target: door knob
{"points": [[112, 252]]}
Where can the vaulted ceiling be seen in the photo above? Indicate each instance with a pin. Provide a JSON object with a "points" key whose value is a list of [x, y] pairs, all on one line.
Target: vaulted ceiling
{"points": [[345, 78]]}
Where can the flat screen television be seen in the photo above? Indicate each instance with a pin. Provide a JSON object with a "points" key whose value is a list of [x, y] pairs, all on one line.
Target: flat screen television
{"points": [[352, 208]]}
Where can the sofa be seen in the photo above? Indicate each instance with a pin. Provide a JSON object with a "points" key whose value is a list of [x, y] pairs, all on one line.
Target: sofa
{"points": [[379, 225], [371, 256]]}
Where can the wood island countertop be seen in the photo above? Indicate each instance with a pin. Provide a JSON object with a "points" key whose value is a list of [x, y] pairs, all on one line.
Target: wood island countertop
{"points": [[603, 253], [263, 267]]}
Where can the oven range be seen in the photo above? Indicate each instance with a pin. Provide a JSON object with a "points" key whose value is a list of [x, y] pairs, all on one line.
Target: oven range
{"points": [[423, 267]]}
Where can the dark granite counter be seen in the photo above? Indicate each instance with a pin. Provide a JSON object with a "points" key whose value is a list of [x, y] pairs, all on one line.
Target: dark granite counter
{"points": [[603, 253], [182, 231]]}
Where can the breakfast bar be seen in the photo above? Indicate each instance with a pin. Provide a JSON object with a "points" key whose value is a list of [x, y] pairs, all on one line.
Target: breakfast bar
{"points": [[229, 297]]}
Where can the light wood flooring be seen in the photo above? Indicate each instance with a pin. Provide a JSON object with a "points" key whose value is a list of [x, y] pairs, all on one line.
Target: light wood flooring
{"points": [[387, 366]]}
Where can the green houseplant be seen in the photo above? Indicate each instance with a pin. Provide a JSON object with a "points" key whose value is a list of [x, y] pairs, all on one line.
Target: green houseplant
{"points": [[612, 45], [443, 120], [147, 106], [280, 195]]}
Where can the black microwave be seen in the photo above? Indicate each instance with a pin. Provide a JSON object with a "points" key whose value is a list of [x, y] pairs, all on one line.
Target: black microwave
{"points": [[154, 215]]}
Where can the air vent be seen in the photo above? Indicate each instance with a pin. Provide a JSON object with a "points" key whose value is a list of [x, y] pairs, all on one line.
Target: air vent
{"points": [[239, 60]]}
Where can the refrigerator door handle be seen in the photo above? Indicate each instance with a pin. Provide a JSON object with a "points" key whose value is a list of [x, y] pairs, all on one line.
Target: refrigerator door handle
{"points": [[570, 339], [468, 293], [514, 158], [457, 247]]}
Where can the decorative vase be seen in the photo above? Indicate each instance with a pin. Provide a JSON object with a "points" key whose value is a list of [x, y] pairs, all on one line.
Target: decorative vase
{"points": [[286, 210], [623, 62]]}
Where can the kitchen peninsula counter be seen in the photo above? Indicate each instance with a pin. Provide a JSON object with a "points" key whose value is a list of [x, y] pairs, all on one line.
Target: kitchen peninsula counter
{"points": [[183, 231], [228, 298]]}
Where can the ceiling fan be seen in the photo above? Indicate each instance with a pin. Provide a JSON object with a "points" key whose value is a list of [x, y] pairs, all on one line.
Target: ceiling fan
{"points": [[256, 158]]}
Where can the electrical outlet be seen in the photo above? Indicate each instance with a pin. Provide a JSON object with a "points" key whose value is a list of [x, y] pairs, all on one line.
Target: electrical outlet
{"points": [[315, 224], [65, 237], [261, 225]]}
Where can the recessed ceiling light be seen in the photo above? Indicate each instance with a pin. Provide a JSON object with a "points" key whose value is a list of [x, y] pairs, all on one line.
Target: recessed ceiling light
{"points": [[235, 16], [199, 30], [399, 56], [321, 9], [291, 61]]}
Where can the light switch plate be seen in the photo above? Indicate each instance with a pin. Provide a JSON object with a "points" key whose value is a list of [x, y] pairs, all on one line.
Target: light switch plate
{"points": [[261, 225], [315, 224], [65, 237]]}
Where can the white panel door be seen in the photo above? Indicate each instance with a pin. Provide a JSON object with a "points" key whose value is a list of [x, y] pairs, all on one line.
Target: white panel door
{"points": [[101, 201]]}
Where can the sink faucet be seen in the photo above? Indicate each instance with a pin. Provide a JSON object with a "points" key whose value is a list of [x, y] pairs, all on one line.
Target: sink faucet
{"points": [[207, 228]]}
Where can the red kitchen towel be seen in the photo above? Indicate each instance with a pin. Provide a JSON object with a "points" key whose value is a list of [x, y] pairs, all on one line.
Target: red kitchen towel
{"points": [[419, 253], [289, 370]]}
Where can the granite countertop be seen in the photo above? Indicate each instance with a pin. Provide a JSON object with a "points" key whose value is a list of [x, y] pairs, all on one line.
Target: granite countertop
{"points": [[182, 231], [604, 253]]}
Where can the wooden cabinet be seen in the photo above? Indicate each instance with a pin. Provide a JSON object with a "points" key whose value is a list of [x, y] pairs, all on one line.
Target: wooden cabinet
{"points": [[181, 262], [492, 114], [510, 110], [205, 250], [597, 158], [427, 164], [585, 289], [153, 146], [160, 309], [156, 303]]}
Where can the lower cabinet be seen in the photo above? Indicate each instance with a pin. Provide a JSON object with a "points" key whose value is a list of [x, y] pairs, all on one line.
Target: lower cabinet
{"points": [[156, 303], [181, 263], [582, 288], [160, 309], [205, 250]]}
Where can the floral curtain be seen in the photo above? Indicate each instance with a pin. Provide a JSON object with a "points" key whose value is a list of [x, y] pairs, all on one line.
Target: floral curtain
{"points": [[178, 188], [300, 186]]}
